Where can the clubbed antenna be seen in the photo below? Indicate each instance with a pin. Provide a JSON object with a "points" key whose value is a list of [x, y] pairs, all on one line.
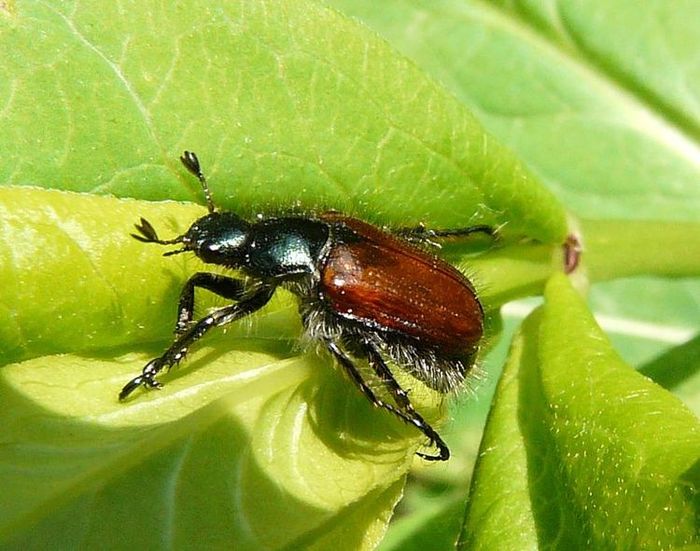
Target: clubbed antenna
{"points": [[191, 162], [149, 235]]}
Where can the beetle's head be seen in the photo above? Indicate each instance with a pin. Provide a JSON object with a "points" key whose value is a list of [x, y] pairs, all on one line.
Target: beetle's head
{"points": [[217, 238]]}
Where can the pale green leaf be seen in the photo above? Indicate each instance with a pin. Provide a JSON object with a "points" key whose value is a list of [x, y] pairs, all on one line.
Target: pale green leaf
{"points": [[580, 450]]}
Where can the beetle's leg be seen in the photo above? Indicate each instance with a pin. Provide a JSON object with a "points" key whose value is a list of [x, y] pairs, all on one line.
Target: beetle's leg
{"points": [[379, 366], [349, 367], [227, 287], [176, 352], [423, 235]]}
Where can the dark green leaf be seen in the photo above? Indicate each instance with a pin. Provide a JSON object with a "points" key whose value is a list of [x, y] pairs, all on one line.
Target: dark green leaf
{"points": [[286, 104]]}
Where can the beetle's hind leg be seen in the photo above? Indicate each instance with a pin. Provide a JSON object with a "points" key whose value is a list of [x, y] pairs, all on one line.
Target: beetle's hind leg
{"points": [[405, 410], [409, 414], [349, 366], [177, 351]]}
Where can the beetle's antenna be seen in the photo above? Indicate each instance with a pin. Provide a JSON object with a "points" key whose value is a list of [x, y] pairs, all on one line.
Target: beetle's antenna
{"points": [[191, 162]]}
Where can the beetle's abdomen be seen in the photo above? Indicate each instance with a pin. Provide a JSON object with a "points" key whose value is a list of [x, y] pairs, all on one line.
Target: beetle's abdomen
{"points": [[391, 285]]}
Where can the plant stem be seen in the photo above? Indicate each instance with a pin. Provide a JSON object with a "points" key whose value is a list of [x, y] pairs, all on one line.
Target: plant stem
{"points": [[624, 248]]}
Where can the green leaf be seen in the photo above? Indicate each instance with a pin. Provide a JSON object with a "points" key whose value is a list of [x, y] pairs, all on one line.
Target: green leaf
{"points": [[601, 99], [286, 104], [249, 447], [678, 370], [278, 426], [580, 450], [74, 279], [435, 526]]}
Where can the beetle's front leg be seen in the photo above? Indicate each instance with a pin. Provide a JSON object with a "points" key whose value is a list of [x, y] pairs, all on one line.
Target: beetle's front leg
{"points": [[177, 351], [226, 287], [147, 379]]}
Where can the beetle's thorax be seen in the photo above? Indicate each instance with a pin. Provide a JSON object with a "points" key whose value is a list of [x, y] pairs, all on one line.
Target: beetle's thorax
{"points": [[286, 248], [275, 248]]}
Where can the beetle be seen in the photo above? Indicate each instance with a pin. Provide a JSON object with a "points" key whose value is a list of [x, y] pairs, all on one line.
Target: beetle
{"points": [[365, 293]]}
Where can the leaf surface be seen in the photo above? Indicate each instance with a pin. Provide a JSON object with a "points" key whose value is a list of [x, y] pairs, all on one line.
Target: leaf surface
{"points": [[572, 454], [288, 106]]}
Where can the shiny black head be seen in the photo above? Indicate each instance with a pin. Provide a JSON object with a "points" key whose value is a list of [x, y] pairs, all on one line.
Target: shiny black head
{"points": [[217, 238]]}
